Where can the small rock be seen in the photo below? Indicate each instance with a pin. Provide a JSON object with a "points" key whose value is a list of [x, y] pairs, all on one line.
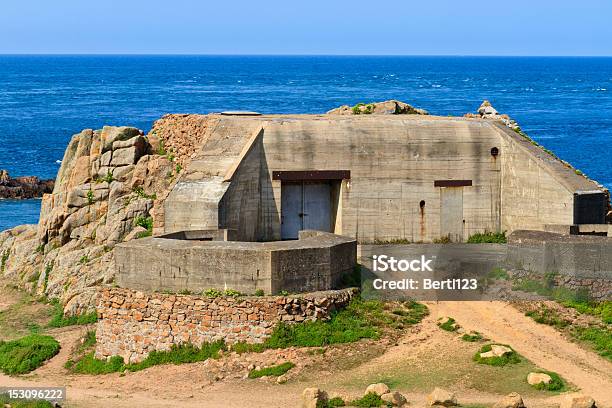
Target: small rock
{"points": [[512, 400], [538, 378], [281, 379], [378, 389], [394, 398], [441, 397], [577, 401], [496, 351]]}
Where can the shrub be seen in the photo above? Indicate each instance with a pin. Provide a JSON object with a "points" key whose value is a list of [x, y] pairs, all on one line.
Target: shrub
{"points": [[108, 178], [488, 238], [510, 358], [599, 338], [371, 399], [26, 354], [472, 337], [90, 197], [555, 384], [178, 354], [146, 223], [259, 292], [450, 325], [335, 402], [442, 240], [5, 257], [59, 320], [547, 316], [273, 371], [212, 293]]}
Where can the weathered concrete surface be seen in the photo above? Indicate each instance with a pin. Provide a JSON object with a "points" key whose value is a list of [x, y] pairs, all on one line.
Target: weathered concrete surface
{"points": [[393, 160], [317, 261], [132, 324]]}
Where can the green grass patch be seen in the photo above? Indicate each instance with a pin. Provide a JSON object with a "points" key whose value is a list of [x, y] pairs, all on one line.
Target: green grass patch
{"points": [[600, 339], [178, 354], [449, 325], [509, 358], [472, 337], [59, 320], [556, 383], [498, 274], [488, 238], [20, 403], [26, 354], [371, 399], [335, 402], [272, 371]]}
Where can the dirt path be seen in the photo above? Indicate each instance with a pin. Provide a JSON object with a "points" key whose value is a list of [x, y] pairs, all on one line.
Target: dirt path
{"points": [[541, 344], [189, 386]]}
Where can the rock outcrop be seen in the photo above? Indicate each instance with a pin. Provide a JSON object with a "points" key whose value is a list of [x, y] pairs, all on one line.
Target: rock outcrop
{"points": [[23, 187], [390, 107], [110, 188]]}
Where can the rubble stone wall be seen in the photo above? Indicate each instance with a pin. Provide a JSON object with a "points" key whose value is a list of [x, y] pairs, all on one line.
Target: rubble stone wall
{"points": [[132, 324]]}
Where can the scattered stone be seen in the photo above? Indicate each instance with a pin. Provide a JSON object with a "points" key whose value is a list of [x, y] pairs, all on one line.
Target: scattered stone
{"points": [[496, 351], [390, 107], [394, 398], [282, 379], [512, 400], [441, 397], [577, 401], [538, 378], [313, 398], [378, 389]]}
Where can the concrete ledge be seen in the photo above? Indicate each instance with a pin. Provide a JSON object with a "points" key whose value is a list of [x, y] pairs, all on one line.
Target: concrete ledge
{"points": [[317, 261], [131, 324]]}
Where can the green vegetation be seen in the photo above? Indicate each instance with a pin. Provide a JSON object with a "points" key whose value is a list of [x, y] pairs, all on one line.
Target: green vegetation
{"points": [[555, 384], [178, 168], [352, 279], [5, 257], [108, 178], [259, 292], [139, 191], [84, 259], [90, 197], [27, 353], [498, 273], [450, 325], [161, 150], [472, 337], [442, 240], [146, 223], [272, 371], [178, 354], [40, 249], [508, 358], [599, 338], [59, 320], [369, 108], [488, 238], [214, 293], [371, 399], [398, 241], [335, 402], [545, 315], [20, 403]]}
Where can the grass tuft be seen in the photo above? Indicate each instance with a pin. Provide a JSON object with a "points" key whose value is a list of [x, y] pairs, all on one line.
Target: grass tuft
{"points": [[371, 399], [556, 383], [59, 320], [450, 325], [488, 238], [26, 354], [20, 403], [472, 337], [272, 371]]}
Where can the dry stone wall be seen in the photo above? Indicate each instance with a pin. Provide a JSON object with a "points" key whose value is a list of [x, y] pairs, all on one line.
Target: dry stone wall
{"points": [[132, 324]]}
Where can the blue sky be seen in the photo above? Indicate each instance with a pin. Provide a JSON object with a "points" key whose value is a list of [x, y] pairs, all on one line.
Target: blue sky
{"points": [[408, 27]]}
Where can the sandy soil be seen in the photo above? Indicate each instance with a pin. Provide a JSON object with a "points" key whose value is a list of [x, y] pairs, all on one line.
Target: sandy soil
{"points": [[190, 386]]}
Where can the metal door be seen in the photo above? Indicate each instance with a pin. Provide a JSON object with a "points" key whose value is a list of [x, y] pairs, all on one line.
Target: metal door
{"points": [[451, 213], [305, 206]]}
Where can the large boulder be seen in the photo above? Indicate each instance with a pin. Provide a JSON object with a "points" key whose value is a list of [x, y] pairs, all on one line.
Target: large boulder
{"points": [[112, 134], [496, 351], [378, 389], [313, 398], [394, 398], [538, 378], [441, 397], [512, 400], [577, 401]]}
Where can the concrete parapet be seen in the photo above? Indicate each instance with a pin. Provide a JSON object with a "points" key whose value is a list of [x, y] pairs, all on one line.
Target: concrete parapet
{"points": [[317, 261]]}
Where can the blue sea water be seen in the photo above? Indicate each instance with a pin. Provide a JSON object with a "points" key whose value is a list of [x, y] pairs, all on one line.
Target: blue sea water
{"points": [[563, 103]]}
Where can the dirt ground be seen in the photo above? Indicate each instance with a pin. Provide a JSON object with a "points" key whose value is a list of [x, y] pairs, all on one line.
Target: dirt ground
{"points": [[423, 358]]}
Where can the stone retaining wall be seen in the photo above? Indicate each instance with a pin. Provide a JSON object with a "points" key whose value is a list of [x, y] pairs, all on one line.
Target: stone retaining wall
{"points": [[132, 324]]}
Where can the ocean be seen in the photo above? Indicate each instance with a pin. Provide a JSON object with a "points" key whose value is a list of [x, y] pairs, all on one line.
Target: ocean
{"points": [[563, 103]]}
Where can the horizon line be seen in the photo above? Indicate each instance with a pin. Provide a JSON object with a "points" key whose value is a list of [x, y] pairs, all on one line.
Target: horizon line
{"points": [[301, 55]]}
